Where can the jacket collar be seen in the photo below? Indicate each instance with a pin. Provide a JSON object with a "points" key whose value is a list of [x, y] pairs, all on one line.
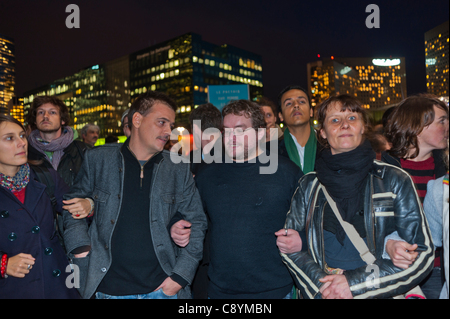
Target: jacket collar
{"points": [[156, 159]]}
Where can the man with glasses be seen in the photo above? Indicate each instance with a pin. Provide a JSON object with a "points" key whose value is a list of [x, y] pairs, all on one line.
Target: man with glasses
{"points": [[247, 209]]}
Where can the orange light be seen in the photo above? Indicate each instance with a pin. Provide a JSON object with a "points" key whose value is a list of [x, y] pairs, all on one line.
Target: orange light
{"points": [[332, 57]]}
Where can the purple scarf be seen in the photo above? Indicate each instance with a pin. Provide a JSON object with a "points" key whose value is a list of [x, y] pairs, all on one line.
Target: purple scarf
{"points": [[56, 146]]}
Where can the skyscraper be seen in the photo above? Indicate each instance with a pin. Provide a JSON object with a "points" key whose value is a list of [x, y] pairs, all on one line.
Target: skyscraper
{"points": [[376, 82], [436, 60], [182, 67], [7, 72]]}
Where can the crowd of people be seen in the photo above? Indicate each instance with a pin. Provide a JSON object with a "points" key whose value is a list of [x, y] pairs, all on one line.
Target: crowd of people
{"points": [[340, 217]]}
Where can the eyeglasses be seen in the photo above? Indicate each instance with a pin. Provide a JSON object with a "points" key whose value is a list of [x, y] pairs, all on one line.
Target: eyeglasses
{"points": [[235, 131]]}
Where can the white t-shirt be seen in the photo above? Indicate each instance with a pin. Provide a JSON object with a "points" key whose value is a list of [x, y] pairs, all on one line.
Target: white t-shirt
{"points": [[301, 151]]}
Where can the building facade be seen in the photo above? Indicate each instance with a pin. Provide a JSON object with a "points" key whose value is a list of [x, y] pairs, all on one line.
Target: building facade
{"points": [[182, 67], [376, 82], [98, 94], [436, 60], [7, 72]]}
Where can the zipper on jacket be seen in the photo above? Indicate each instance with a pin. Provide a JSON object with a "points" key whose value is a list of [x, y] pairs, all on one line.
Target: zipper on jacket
{"points": [[142, 166]]}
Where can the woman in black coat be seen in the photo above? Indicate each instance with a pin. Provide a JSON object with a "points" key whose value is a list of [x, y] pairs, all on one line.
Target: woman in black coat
{"points": [[33, 263]]}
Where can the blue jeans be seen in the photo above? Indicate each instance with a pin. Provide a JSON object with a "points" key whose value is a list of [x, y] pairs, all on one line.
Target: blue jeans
{"points": [[159, 294]]}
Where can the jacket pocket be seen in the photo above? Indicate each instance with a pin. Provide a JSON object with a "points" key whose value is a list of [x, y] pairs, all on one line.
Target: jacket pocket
{"points": [[172, 202], [100, 198], [383, 204]]}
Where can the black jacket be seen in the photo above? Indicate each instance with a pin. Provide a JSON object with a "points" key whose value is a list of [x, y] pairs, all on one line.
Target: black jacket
{"points": [[70, 163], [391, 204]]}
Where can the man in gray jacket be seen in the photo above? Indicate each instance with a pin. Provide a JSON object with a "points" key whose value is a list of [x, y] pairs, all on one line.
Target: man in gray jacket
{"points": [[127, 252]]}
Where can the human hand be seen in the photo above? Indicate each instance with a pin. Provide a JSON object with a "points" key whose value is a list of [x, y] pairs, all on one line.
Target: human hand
{"points": [[288, 241], [181, 233], [169, 287], [335, 287], [78, 207], [402, 254], [20, 265]]}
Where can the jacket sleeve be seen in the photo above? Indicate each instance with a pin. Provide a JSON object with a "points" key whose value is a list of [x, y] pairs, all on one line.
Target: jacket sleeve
{"points": [[383, 279], [191, 209], [76, 230], [304, 269]]}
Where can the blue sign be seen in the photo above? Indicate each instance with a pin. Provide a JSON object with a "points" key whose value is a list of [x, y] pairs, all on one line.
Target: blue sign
{"points": [[221, 95]]}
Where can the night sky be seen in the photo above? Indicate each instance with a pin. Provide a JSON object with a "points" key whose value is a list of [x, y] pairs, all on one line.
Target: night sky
{"points": [[288, 34]]}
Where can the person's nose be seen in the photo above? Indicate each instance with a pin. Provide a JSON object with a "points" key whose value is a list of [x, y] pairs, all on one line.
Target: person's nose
{"points": [[345, 124]]}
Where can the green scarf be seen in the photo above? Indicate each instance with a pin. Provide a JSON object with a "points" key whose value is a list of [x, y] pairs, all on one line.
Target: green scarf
{"points": [[310, 151]]}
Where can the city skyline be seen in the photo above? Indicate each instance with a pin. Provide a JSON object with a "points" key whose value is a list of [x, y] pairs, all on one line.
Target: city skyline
{"points": [[287, 35]]}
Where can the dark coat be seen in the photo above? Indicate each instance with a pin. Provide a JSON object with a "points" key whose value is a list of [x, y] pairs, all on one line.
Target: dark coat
{"points": [[70, 163], [29, 228]]}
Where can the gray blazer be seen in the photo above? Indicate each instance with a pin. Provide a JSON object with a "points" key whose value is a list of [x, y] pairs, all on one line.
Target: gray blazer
{"points": [[173, 190]]}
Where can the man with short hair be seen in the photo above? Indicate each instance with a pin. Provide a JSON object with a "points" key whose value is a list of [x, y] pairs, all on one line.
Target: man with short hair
{"points": [[299, 142], [89, 134], [247, 210], [125, 125], [206, 122], [137, 190]]}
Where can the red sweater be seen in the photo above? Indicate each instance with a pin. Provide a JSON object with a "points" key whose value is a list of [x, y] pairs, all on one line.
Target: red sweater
{"points": [[20, 195], [421, 173]]}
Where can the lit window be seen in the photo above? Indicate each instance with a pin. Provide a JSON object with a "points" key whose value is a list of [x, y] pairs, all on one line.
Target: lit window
{"points": [[194, 59]]}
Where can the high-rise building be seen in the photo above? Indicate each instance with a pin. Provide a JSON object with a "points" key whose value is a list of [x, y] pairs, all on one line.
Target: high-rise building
{"points": [[97, 94], [379, 81], [436, 60], [327, 78], [15, 106], [182, 67], [7, 72]]}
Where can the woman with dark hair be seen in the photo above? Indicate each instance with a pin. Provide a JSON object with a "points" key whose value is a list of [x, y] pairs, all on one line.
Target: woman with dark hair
{"points": [[33, 263], [347, 207], [418, 130]]}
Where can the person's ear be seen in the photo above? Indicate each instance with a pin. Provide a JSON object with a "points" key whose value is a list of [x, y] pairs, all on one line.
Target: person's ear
{"points": [[137, 120]]}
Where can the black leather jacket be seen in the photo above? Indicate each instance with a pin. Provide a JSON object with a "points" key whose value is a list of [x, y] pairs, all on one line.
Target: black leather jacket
{"points": [[391, 204]]}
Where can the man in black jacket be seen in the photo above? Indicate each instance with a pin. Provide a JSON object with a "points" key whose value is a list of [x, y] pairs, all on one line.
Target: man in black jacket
{"points": [[52, 141]]}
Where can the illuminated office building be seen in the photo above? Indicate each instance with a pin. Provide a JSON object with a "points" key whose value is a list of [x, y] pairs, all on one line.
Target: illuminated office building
{"points": [[436, 60], [7, 72], [380, 81], [97, 94], [15, 106], [327, 78], [182, 68]]}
